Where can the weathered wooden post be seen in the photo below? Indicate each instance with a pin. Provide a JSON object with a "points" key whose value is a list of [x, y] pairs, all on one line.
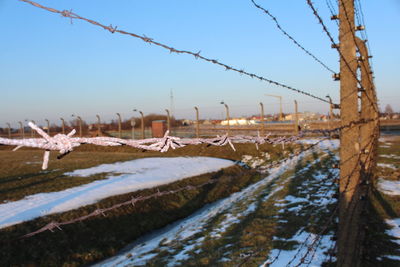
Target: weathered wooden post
{"points": [[262, 119], [119, 125], [197, 122]]}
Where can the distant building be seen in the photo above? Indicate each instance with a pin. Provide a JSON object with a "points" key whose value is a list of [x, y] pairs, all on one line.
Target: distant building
{"points": [[239, 122]]}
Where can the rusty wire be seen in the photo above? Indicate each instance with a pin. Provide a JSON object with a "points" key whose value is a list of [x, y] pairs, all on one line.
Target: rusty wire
{"points": [[291, 37], [114, 29]]}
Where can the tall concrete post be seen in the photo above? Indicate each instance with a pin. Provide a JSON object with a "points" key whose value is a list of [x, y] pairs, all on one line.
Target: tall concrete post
{"points": [[22, 131], [63, 125], [168, 121], [227, 116], [367, 130], [197, 123], [48, 126], [98, 125], [9, 130], [119, 125], [296, 118], [349, 195], [262, 119], [142, 120]]}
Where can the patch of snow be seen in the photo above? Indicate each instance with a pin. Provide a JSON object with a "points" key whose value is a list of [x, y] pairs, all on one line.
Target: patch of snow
{"points": [[395, 230], [385, 165], [315, 257], [185, 229], [124, 177], [389, 187], [390, 156]]}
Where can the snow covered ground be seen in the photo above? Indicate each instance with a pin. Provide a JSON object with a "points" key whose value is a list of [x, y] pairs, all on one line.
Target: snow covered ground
{"points": [[177, 242], [124, 177]]}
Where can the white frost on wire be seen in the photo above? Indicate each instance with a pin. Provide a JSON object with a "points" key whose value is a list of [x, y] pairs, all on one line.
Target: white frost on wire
{"points": [[66, 143]]}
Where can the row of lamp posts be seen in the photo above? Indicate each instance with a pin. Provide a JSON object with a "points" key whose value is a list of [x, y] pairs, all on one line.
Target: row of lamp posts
{"points": [[296, 126]]}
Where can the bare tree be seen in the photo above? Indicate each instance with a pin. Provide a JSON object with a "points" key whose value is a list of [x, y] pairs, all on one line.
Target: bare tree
{"points": [[388, 110]]}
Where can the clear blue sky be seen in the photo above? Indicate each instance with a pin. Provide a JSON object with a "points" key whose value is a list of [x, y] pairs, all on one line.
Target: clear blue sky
{"points": [[51, 68]]}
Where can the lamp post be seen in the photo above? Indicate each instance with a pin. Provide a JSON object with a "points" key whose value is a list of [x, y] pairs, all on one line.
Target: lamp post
{"points": [[48, 126], [9, 130], [80, 124], [98, 125], [330, 107], [63, 125], [32, 131], [22, 131], [227, 115], [197, 122], [280, 105], [142, 120], [119, 125], [168, 121], [296, 117], [262, 119], [133, 123]]}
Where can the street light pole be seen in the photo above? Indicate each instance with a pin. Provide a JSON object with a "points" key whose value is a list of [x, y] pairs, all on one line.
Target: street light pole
{"points": [[262, 119], [62, 125], [133, 127], [142, 120], [197, 122], [168, 121], [48, 126], [22, 130], [280, 105], [227, 116], [9, 130], [80, 124], [98, 125], [119, 125], [296, 117]]}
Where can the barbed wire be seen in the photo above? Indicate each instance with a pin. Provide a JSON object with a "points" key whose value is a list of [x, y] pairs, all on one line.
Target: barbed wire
{"points": [[291, 37], [66, 143], [114, 29], [353, 34], [332, 10], [325, 29], [53, 225], [364, 32]]}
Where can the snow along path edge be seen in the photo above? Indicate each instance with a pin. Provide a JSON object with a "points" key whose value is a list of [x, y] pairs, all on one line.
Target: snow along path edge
{"points": [[131, 176]]}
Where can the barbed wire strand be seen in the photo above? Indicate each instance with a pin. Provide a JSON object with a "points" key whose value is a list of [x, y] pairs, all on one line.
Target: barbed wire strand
{"points": [[66, 143], [364, 32], [101, 211], [325, 29], [291, 37], [113, 29]]}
